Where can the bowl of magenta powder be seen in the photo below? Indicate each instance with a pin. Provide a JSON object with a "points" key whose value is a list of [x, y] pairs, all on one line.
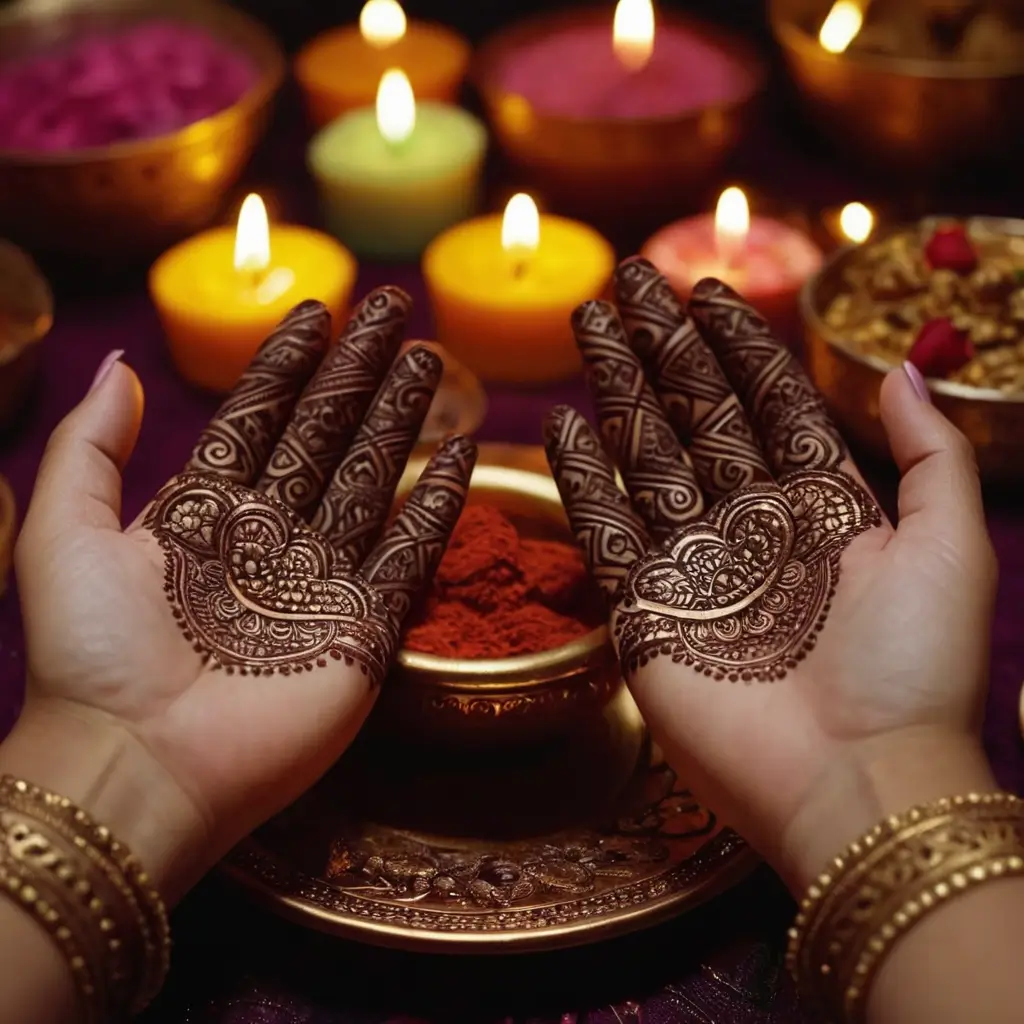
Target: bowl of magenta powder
{"points": [[125, 123], [610, 139], [510, 645]]}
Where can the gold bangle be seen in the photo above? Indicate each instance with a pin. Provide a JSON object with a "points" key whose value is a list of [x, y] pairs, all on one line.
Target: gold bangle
{"points": [[886, 882], [97, 901]]}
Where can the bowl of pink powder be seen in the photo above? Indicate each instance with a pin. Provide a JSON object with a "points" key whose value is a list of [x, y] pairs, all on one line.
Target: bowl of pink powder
{"points": [[608, 138], [125, 123]]}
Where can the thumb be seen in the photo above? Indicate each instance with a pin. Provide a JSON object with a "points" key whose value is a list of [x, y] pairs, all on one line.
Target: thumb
{"points": [[79, 479], [940, 491]]}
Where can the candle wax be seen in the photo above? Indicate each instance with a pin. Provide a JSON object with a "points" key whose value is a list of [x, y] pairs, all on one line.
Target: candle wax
{"points": [[388, 200], [215, 318], [769, 271], [507, 326], [340, 71], [685, 73]]}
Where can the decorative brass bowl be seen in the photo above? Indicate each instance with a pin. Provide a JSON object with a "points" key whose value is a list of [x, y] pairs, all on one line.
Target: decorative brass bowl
{"points": [[604, 168], [132, 198], [502, 701], [920, 117], [850, 381]]}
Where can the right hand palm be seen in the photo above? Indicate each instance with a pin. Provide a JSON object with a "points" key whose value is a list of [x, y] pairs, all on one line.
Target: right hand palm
{"points": [[724, 563]]}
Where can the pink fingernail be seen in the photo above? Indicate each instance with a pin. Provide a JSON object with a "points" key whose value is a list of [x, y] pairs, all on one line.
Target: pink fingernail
{"points": [[105, 367], [917, 382]]}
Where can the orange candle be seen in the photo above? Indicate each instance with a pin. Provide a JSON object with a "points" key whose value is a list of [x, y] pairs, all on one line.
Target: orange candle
{"points": [[341, 69], [503, 289], [222, 292]]}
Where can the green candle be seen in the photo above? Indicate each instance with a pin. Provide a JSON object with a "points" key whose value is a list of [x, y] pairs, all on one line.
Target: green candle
{"points": [[392, 178]]}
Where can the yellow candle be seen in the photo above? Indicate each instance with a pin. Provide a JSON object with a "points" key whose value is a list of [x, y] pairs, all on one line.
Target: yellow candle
{"points": [[221, 293], [340, 69], [504, 287]]}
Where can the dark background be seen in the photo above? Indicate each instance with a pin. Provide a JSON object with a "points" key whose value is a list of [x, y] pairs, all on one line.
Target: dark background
{"points": [[297, 20]]}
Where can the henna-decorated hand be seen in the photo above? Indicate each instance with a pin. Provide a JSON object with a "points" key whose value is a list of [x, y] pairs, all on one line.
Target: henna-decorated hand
{"points": [[783, 641], [226, 647]]}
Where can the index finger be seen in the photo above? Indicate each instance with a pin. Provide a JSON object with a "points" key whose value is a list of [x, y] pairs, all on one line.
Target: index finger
{"points": [[242, 434]]}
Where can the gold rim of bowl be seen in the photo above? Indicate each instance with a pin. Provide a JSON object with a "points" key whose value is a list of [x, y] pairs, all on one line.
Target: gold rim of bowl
{"points": [[496, 674]]}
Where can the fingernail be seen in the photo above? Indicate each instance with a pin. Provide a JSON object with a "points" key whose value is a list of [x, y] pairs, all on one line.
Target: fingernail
{"points": [[105, 367], [917, 382]]}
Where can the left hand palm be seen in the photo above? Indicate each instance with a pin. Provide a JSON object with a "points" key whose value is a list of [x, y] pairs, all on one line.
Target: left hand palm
{"points": [[239, 628]]}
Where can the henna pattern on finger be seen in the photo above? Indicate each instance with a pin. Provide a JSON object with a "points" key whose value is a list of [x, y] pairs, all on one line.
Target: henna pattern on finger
{"points": [[256, 591], [784, 408], [698, 401], [658, 479], [241, 436], [335, 402], [606, 528], [357, 502], [405, 560]]}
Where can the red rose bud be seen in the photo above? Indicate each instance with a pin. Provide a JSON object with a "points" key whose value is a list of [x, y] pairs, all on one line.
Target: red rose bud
{"points": [[941, 349], [950, 249]]}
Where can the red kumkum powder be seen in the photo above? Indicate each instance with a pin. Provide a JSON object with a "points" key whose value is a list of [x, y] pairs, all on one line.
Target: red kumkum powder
{"points": [[497, 594]]}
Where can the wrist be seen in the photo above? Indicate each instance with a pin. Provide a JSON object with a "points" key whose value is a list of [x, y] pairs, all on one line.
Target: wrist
{"points": [[103, 767], [871, 779]]}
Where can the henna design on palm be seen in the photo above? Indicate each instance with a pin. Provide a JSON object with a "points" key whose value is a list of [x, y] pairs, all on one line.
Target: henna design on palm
{"points": [[356, 505], [335, 401], [743, 591], [694, 392], [240, 438], [254, 588], [659, 479]]}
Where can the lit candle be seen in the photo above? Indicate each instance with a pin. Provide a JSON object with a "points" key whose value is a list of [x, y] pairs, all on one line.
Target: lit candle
{"points": [[853, 224], [503, 288], [633, 33], [841, 26], [339, 70], [856, 222], [765, 259], [220, 293], [392, 177]]}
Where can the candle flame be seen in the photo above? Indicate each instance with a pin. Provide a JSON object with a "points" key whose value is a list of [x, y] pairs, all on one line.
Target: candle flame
{"points": [[732, 225], [382, 22], [856, 222], [252, 237], [633, 33], [520, 231], [841, 26], [396, 106]]}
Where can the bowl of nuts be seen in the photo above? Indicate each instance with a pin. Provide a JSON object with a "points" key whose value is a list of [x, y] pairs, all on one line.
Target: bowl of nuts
{"points": [[945, 294]]}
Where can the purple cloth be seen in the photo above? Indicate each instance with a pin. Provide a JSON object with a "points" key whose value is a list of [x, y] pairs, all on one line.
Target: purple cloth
{"points": [[238, 965]]}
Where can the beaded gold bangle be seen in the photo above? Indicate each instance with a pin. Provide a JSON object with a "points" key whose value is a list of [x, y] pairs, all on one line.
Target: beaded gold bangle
{"points": [[886, 882], [90, 893]]}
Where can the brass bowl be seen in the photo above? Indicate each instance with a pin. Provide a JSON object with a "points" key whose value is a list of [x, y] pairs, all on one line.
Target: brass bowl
{"points": [[487, 703], [602, 168], [132, 198], [851, 381], [912, 116]]}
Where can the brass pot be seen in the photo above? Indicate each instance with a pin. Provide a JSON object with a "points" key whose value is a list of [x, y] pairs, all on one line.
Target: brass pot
{"points": [[850, 381], [133, 198], [913, 116], [604, 168], [501, 701]]}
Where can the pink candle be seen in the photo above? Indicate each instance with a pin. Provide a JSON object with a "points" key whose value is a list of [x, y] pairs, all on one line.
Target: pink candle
{"points": [[765, 260], [576, 72]]}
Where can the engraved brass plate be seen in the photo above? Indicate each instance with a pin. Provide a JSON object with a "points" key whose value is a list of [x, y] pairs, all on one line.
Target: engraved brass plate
{"points": [[536, 848]]}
